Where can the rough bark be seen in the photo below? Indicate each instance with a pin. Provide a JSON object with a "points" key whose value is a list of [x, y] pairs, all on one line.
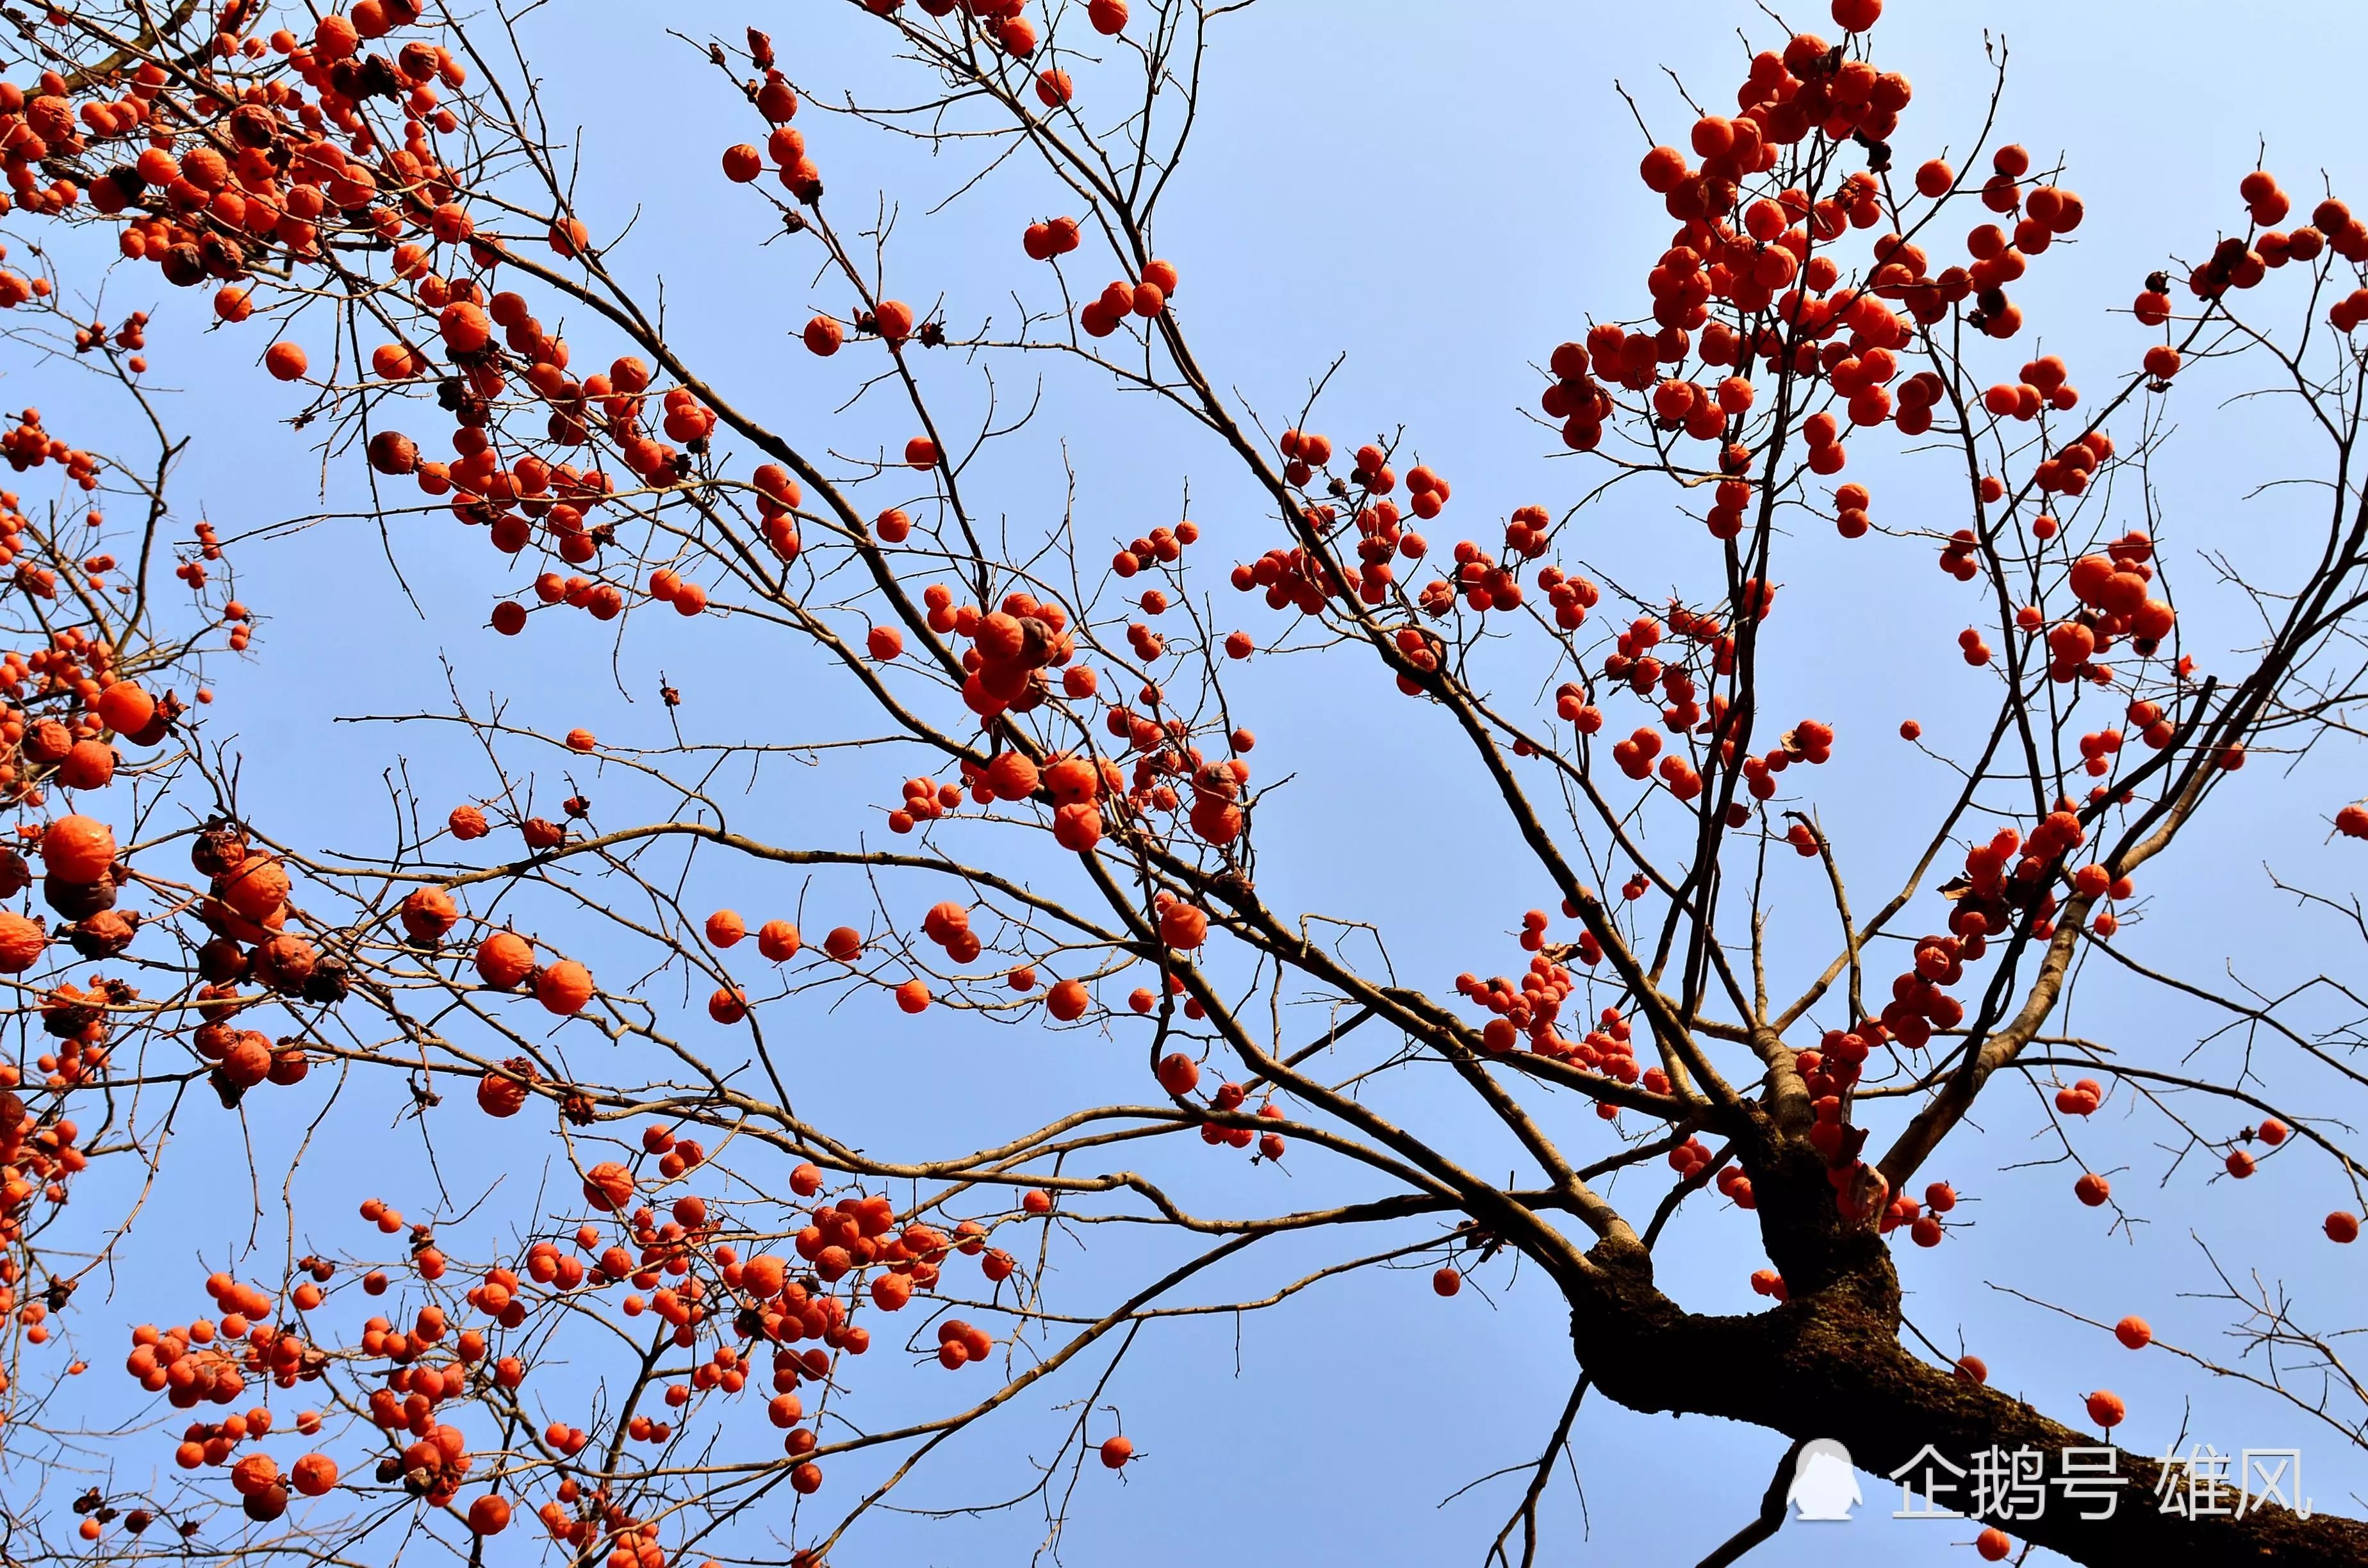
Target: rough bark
{"points": [[1829, 1364]]}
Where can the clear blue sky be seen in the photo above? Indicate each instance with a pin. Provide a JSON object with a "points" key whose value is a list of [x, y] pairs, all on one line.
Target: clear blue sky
{"points": [[1442, 193]]}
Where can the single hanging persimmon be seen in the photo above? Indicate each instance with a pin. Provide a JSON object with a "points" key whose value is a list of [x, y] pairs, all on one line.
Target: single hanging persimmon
{"points": [[608, 1187], [503, 1093], [1068, 1000], [314, 1475], [563, 987], [427, 913], [259, 888], [504, 959], [22, 943], [125, 708], [78, 848], [1184, 926], [87, 765]]}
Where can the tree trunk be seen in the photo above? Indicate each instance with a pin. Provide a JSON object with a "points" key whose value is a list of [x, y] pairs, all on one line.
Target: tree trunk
{"points": [[1830, 1365]]}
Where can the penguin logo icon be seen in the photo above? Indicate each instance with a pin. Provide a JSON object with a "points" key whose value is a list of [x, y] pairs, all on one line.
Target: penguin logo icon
{"points": [[1824, 1483]]}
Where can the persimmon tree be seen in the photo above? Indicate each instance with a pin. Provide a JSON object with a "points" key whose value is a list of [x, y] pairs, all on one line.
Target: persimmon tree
{"points": [[678, 1356]]}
